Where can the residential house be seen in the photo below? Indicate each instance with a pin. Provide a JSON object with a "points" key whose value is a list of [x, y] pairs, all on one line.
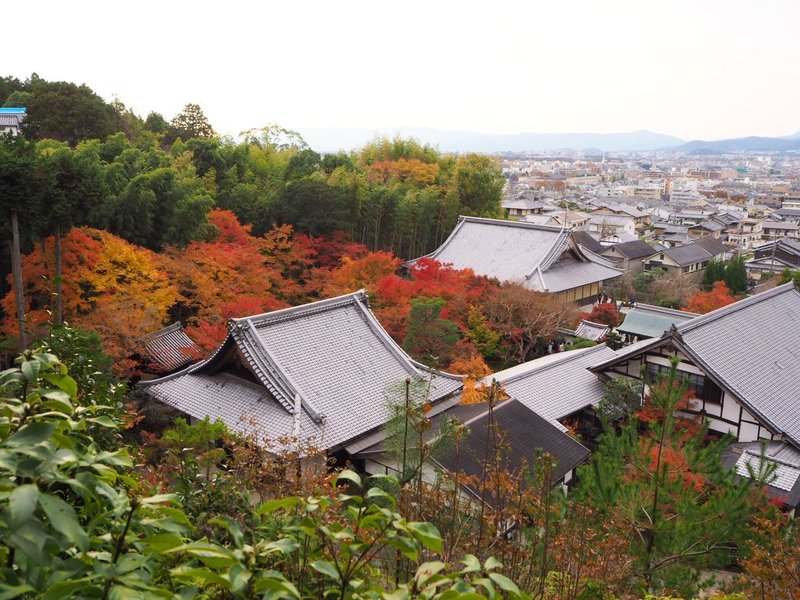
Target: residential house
{"points": [[540, 257], [629, 256], [543, 394], [745, 234], [706, 228], [522, 205], [774, 257], [603, 226], [640, 218], [319, 375], [689, 258], [774, 230], [570, 219]]}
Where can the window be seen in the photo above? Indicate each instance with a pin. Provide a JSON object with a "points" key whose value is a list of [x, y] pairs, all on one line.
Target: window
{"points": [[703, 387]]}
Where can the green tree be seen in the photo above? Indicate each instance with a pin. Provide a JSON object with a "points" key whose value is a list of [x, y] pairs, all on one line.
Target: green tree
{"points": [[429, 337], [77, 521], [715, 271], [478, 184], [66, 112], [191, 123], [736, 275], [20, 191], [684, 510]]}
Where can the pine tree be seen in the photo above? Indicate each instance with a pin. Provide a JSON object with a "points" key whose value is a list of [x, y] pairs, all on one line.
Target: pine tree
{"points": [[684, 510]]}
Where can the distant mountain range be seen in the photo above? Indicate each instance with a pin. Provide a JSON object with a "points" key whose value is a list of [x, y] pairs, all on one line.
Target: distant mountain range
{"points": [[747, 144], [335, 139]]}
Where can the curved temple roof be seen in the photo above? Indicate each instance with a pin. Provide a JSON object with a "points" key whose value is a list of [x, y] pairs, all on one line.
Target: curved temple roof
{"points": [[525, 253], [331, 359]]}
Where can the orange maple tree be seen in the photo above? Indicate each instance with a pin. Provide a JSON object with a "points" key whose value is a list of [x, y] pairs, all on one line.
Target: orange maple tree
{"points": [[703, 302]]}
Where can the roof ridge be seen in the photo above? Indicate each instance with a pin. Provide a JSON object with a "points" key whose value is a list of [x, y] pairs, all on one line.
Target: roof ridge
{"points": [[508, 223], [595, 324], [664, 310], [310, 307], [168, 329], [567, 356], [735, 307]]}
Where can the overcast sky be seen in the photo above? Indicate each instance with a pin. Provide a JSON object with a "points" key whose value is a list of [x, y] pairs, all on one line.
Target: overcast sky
{"points": [[693, 69]]}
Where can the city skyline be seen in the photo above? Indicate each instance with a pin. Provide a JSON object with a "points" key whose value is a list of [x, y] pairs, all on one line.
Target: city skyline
{"points": [[710, 70]]}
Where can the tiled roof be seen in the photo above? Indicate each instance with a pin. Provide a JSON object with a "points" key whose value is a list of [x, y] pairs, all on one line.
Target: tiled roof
{"points": [[558, 385], [170, 348], [647, 321], [689, 254], [521, 435], [636, 249], [583, 238], [753, 347], [591, 331], [780, 456], [333, 356], [712, 245], [520, 252]]}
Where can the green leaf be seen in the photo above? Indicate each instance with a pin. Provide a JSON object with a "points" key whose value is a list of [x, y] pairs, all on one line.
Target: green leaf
{"points": [[8, 591], [161, 542], [271, 506], [427, 535], [347, 475], [203, 574], [491, 564], [212, 555], [64, 520], [504, 583], [158, 499], [63, 382], [30, 369], [326, 568], [239, 576], [31, 434], [22, 503], [284, 546], [471, 564], [276, 585], [119, 592], [103, 420], [426, 571], [66, 589]]}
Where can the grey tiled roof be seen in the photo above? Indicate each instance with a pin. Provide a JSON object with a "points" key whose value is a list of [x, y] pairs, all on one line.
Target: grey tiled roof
{"points": [[332, 355], [635, 249], [245, 407], [689, 254], [784, 458], [753, 347], [522, 435], [591, 331], [583, 238], [521, 252], [647, 321], [170, 348], [558, 385]]}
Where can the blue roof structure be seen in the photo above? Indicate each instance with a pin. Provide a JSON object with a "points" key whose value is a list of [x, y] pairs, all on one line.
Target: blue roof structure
{"points": [[13, 110]]}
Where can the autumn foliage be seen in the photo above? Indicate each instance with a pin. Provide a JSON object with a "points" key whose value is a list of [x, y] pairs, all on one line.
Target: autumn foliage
{"points": [[702, 302], [605, 313], [124, 292]]}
